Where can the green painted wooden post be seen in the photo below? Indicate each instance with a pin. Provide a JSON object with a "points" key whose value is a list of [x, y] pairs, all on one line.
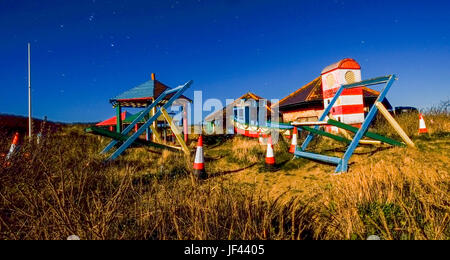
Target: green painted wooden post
{"points": [[332, 136], [118, 118], [368, 134]]}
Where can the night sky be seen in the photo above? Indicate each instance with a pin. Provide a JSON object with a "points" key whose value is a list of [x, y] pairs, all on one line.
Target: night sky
{"points": [[86, 52]]}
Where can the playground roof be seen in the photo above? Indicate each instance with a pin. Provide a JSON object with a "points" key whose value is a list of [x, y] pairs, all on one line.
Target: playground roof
{"points": [[142, 95], [311, 93], [246, 96], [113, 120]]}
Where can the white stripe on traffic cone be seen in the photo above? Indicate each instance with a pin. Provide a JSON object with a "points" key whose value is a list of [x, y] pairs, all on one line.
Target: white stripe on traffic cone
{"points": [[270, 157], [199, 163], [294, 141], [422, 127]]}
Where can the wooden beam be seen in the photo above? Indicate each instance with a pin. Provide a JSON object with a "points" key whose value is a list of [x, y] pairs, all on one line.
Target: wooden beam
{"points": [[154, 126], [118, 119], [121, 137], [394, 124], [310, 123], [369, 142], [156, 136], [367, 133], [326, 134], [175, 130], [342, 131]]}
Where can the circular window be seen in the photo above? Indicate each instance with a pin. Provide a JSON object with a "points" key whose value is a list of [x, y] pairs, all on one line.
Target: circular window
{"points": [[350, 77], [330, 80]]}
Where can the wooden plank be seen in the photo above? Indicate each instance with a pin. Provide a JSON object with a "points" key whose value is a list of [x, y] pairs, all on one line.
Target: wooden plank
{"points": [[367, 134], [310, 123], [156, 137], [394, 124], [118, 119], [175, 131], [368, 82], [326, 134], [319, 157], [369, 142], [156, 134], [120, 137]]}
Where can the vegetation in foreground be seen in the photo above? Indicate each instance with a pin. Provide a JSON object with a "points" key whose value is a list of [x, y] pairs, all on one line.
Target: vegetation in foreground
{"points": [[63, 187]]}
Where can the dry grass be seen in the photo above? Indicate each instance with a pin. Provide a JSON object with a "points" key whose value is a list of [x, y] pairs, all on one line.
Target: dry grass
{"points": [[62, 187]]}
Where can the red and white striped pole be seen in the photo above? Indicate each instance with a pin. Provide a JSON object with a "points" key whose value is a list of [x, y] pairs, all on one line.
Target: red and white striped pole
{"points": [[199, 163]]}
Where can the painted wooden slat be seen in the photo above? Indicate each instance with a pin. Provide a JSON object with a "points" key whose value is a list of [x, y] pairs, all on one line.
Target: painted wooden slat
{"points": [[122, 138], [326, 134], [319, 157], [394, 124], [118, 119], [367, 134], [156, 134], [309, 123], [368, 82], [370, 142], [175, 131]]}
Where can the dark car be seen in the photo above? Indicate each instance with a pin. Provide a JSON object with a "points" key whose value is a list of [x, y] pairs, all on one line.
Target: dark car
{"points": [[404, 110]]}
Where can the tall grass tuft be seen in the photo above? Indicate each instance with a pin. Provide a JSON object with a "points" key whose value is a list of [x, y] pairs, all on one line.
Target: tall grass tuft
{"points": [[63, 187]]}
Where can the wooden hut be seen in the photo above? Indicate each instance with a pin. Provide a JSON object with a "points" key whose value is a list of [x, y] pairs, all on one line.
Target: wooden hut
{"points": [[246, 109]]}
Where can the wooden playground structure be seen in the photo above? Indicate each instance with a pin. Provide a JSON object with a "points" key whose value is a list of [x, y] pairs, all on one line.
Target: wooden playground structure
{"points": [[156, 98], [342, 163], [326, 120]]}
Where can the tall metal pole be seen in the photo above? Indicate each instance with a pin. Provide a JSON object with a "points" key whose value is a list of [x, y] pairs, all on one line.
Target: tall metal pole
{"points": [[30, 129]]}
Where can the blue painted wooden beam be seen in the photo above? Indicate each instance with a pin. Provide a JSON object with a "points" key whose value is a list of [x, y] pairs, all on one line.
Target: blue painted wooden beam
{"points": [[319, 157], [368, 82]]}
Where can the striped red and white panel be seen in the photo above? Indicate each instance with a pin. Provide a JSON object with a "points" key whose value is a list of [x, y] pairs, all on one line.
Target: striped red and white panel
{"points": [[349, 108]]}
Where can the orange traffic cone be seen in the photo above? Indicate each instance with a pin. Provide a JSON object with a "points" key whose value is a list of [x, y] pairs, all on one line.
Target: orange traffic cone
{"points": [[13, 147], [270, 157], [199, 163], [422, 127], [294, 141]]}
